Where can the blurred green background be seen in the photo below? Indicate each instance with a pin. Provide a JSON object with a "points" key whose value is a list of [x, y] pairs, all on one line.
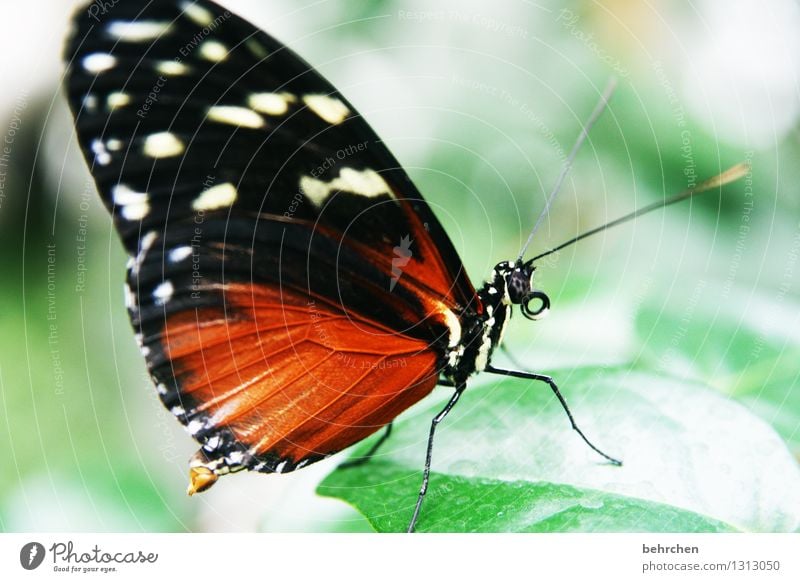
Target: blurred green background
{"points": [[480, 102]]}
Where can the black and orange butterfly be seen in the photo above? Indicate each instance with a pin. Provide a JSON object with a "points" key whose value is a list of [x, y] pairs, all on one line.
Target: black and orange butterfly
{"points": [[290, 300]]}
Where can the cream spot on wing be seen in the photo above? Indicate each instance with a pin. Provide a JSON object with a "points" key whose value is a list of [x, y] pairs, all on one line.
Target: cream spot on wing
{"points": [[453, 324], [220, 196], [136, 211], [172, 68], [233, 115], [197, 14], [117, 99], [213, 50], [138, 31], [365, 182], [258, 50], [163, 145], [115, 145], [328, 108], [316, 190], [271, 103], [98, 62], [362, 182], [163, 293], [90, 102]]}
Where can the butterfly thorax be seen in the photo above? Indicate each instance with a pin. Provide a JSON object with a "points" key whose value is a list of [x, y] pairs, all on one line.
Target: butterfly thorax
{"points": [[483, 331]]}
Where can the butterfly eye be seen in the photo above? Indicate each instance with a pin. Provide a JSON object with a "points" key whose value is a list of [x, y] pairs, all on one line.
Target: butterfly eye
{"points": [[519, 285], [541, 309]]}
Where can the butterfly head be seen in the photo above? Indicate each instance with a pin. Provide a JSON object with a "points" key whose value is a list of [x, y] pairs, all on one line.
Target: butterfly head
{"points": [[517, 279]]}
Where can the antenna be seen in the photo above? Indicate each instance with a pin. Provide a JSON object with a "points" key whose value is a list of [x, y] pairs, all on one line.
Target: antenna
{"points": [[730, 175], [598, 110]]}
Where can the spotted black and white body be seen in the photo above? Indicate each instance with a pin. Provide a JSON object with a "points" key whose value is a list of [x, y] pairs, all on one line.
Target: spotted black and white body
{"points": [[480, 333], [263, 217]]}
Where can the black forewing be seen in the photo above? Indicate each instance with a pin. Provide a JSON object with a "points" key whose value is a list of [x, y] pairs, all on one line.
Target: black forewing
{"points": [[178, 100]]}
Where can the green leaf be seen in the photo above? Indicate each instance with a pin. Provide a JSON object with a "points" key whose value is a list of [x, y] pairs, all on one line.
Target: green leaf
{"points": [[505, 506], [749, 354], [506, 460]]}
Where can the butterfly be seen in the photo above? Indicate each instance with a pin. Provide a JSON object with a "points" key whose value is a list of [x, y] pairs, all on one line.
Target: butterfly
{"points": [[290, 289]]}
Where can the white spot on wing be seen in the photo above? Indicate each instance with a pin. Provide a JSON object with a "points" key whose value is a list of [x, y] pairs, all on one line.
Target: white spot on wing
{"points": [[194, 426], [135, 205], [172, 68], [280, 467], [130, 303], [197, 14], [271, 103], [213, 51], [101, 155], [163, 145], [123, 195], [163, 293], [114, 145], [147, 241], [178, 254], [328, 108], [215, 197], [138, 31], [98, 62], [233, 115], [362, 182], [144, 246]]}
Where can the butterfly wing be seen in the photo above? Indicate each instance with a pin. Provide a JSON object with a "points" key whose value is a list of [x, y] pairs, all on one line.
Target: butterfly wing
{"points": [[182, 107], [275, 372], [292, 290]]}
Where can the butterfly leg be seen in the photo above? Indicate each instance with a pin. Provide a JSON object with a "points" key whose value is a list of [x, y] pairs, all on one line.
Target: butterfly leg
{"points": [[427, 471], [549, 381], [370, 453]]}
